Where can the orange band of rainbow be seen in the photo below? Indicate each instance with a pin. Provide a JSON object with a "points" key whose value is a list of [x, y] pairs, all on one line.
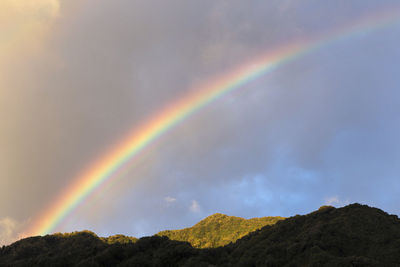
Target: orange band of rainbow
{"points": [[144, 134]]}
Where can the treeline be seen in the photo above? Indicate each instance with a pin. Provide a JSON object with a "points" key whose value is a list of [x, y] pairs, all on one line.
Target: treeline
{"points": [[355, 235]]}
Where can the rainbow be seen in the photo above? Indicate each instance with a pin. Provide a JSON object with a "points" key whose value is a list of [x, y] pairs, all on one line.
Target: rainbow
{"points": [[197, 98]]}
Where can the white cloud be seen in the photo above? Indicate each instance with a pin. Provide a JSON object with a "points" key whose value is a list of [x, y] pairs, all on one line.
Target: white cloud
{"points": [[195, 207], [10, 231], [169, 200], [335, 201]]}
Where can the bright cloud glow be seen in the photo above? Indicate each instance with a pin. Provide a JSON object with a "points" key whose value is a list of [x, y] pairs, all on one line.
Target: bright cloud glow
{"points": [[10, 230], [195, 207]]}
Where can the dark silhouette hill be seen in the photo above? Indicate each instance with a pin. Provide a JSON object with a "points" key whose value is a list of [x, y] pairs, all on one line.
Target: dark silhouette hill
{"points": [[218, 230], [355, 235]]}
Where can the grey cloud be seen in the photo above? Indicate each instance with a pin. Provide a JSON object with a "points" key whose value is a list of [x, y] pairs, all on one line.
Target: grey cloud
{"points": [[109, 64]]}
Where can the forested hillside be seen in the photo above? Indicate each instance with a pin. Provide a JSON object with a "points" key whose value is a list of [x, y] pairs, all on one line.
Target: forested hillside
{"points": [[355, 235], [218, 230]]}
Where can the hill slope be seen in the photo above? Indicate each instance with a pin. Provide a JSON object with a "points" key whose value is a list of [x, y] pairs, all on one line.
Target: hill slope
{"points": [[218, 230], [355, 235]]}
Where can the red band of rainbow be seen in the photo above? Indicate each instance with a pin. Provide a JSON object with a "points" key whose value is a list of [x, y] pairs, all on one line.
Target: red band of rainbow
{"points": [[103, 169]]}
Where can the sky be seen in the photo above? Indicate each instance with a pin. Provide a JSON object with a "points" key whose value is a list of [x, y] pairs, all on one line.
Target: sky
{"points": [[77, 76]]}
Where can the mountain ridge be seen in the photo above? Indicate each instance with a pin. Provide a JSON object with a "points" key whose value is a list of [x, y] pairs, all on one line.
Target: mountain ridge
{"points": [[355, 235], [218, 230]]}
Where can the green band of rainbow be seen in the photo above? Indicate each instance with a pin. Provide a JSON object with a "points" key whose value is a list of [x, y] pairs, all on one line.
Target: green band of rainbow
{"points": [[142, 136]]}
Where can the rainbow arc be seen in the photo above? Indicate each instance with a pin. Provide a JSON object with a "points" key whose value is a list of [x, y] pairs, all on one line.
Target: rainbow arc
{"points": [[142, 136]]}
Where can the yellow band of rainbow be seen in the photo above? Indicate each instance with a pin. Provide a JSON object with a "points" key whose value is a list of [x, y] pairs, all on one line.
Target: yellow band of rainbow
{"points": [[103, 169]]}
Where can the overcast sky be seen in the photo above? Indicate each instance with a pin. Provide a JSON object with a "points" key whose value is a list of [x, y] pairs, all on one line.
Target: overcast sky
{"points": [[77, 76]]}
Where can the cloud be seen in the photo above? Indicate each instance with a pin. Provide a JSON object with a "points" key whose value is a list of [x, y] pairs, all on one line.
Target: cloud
{"points": [[195, 207], [22, 23], [169, 200], [332, 200], [10, 231], [25, 26], [80, 78], [335, 201], [30, 10]]}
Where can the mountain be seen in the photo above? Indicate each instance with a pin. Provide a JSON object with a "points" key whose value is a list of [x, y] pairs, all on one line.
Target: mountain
{"points": [[218, 230], [355, 235]]}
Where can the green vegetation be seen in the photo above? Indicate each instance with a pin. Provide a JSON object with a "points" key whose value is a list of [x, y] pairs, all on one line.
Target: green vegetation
{"points": [[122, 239], [355, 235], [218, 230]]}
